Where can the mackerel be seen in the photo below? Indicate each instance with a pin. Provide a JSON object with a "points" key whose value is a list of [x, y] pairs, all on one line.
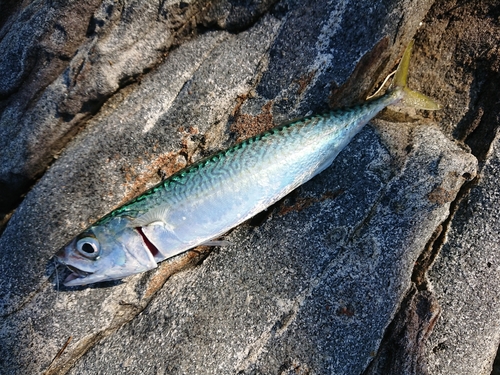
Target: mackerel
{"points": [[205, 200]]}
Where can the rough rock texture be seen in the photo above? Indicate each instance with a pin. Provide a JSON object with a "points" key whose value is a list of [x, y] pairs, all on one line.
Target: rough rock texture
{"points": [[461, 50], [386, 263], [318, 298], [465, 280]]}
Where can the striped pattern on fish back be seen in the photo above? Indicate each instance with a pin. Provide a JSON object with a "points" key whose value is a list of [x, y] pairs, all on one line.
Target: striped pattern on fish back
{"points": [[227, 164]]}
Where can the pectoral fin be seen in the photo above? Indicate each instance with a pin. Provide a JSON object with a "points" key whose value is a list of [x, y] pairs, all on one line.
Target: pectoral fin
{"points": [[156, 215]]}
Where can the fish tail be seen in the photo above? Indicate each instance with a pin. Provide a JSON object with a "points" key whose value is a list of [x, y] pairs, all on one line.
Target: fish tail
{"points": [[410, 98]]}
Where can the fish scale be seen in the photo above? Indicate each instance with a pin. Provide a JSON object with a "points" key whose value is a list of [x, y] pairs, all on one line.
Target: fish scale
{"points": [[203, 201]]}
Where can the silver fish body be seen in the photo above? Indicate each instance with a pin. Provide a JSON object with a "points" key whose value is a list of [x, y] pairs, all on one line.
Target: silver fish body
{"points": [[205, 200]]}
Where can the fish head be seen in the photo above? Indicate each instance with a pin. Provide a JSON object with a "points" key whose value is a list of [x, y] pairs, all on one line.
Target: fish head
{"points": [[107, 251]]}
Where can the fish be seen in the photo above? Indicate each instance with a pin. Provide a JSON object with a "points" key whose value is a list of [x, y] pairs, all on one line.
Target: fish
{"points": [[200, 203]]}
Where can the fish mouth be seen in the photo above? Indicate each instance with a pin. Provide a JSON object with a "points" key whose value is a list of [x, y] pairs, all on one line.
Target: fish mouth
{"points": [[75, 274]]}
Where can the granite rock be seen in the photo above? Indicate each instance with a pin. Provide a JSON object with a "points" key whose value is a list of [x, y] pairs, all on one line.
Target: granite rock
{"points": [[346, 267]]}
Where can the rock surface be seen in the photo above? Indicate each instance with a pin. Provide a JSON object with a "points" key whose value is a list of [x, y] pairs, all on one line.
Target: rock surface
{"points": [[465, 280], [385, 263]]}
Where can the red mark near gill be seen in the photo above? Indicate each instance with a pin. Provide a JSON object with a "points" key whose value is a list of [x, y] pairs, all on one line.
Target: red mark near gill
{"points": [[151, 247]]}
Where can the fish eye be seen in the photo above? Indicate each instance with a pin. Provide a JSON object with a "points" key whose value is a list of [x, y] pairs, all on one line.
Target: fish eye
{"points": [[89, 247]]}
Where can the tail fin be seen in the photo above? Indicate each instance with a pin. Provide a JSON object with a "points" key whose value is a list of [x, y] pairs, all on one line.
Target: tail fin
{"points": [[411, 98]]}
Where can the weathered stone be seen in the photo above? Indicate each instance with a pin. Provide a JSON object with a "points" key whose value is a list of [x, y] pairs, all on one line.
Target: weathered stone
{"points": [[59, 63], [36, 45], [319, 297], [465, 282], [464, 70], [311, 285], [403, 348]]}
